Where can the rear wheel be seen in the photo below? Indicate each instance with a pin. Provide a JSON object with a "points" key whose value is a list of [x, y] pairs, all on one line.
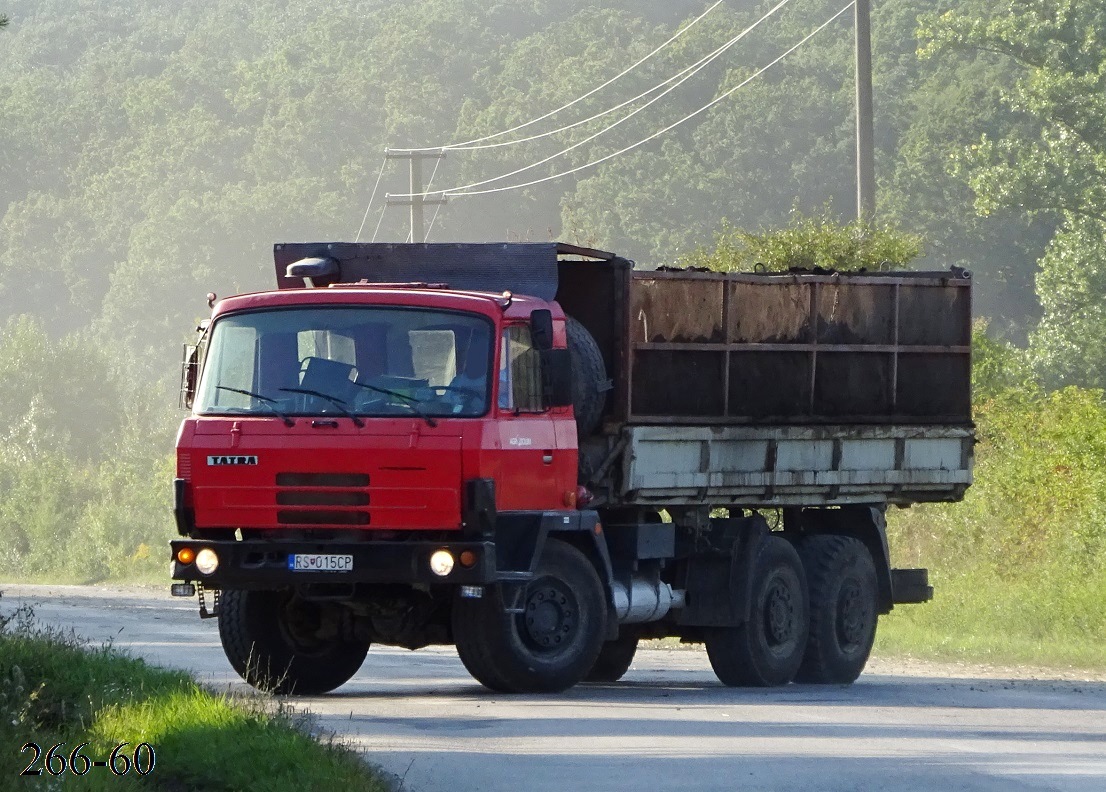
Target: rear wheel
{"points": [[552, 643], [614, 659], [843, 616], [279, 643], [767, 649]]}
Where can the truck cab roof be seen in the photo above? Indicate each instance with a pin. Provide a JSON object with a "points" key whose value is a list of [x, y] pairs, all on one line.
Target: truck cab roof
{"points": [[517, 306]]}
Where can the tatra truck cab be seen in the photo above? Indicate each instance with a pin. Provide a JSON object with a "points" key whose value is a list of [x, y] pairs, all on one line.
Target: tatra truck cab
{"points": [[541, 456]]}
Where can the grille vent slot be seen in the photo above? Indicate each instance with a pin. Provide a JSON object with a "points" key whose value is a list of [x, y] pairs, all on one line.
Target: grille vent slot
{"points": [[345, 491], [321, 517], [321, 498], [322, 479]]}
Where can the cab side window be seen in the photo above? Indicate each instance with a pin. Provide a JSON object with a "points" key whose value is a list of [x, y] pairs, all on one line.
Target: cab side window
{"points": [[520, 387]]}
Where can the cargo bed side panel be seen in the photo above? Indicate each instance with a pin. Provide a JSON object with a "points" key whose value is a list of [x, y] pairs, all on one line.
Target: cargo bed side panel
{"points": [[795, 465]]}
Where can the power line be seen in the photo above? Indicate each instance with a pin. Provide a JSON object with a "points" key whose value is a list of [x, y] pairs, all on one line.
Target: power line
{"points": [[657, 134], [379, 220], [433, 220], [578, 99], [437, 208], [371, 197], [608, 111], [702, 64]]}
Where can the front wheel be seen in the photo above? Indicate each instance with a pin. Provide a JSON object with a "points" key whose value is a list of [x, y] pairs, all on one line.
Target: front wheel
{"points": [[842, 579], [554, 638], [279, 643], [767, 648]]}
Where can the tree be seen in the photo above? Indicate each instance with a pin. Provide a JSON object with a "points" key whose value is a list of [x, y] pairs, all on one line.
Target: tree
{"points": [[1058, 163], [1053, 165]]}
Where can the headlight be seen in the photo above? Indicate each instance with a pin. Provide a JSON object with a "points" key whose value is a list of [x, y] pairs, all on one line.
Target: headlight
{"points": [[441, 563], [206, 561]]}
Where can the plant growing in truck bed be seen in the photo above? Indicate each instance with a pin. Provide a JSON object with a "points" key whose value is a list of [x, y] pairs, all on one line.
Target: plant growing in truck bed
{"points": [[807, 243]]}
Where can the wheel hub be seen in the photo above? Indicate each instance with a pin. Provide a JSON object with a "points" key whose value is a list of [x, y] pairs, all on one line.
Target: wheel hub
{"points": [[550, 617], [779, 613], [851, 614]]}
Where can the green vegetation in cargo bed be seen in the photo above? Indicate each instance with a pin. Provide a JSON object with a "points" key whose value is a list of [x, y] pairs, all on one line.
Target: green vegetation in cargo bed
{"points": [[806, 243], [53, 690]]}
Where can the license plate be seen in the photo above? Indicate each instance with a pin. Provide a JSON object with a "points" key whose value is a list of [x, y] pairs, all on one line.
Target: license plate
{"points": [[320, 562]]}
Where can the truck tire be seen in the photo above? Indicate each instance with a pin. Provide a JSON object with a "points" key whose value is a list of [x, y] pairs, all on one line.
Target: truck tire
{"points": [[842, 580], [552, 644], [589, 377], [767, 649], [267, 637], [614, 659]]}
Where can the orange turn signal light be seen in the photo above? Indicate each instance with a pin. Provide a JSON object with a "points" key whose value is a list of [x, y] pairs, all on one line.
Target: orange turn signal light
{"points": [[186, 555], [468, 558]]}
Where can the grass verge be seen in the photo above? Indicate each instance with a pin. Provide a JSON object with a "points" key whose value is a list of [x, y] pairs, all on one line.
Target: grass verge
{"points": [[1047, 617], [53, 690]]}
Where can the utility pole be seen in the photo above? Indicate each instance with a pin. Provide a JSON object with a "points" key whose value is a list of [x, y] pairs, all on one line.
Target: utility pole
{"points": [[417, 201], [865, 136]]}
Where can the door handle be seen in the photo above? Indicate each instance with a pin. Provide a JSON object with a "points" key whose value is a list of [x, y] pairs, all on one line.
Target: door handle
{"points": [[547, 457]]}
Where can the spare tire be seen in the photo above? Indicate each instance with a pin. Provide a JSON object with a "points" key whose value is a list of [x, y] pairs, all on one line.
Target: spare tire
{"points": [[589, 377]]}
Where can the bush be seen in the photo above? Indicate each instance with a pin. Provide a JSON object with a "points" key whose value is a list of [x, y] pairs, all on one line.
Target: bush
{"points": [[808, 243], [1020, 566]]}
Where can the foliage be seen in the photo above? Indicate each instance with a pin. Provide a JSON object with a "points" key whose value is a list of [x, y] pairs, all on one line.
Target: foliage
{"points": [[1051, 164], [1020, 565], [53, 690], [997, 366], [1059, 162], [156, 155], [806, 244], [1068, 346], [84, 464]]}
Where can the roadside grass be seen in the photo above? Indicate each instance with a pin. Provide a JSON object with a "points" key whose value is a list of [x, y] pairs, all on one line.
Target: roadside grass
{"points": [[1019, 567], [53, 690], [1042, 620]]}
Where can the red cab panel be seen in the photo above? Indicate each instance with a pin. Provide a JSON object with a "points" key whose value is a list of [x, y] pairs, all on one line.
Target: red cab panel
{"points": [[259, 473]]}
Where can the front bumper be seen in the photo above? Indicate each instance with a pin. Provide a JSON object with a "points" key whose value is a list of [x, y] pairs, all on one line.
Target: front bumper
{"points": [[263, 564]]}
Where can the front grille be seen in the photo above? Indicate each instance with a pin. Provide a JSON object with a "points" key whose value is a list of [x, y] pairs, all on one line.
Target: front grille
{"points": [[184, 465], [345, 491]]}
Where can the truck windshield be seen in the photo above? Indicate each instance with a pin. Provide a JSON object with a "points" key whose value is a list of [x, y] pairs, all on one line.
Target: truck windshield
{"points": [[347, 361]]}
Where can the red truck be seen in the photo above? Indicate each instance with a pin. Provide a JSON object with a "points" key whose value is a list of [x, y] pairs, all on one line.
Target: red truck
{"points": [[541, 456]]}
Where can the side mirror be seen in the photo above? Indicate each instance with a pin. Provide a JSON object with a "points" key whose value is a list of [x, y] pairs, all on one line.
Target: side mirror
{"points": [[189, 369], [541, 329], [556, 369]]}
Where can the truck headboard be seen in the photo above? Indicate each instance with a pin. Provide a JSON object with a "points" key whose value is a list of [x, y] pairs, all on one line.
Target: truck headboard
{"points": [[522, 268]]}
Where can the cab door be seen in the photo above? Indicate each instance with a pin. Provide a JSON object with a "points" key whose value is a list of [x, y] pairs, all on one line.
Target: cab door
{"points": [[534, 472]]}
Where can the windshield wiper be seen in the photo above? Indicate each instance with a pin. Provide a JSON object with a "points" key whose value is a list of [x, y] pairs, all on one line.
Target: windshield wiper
{"points": [[408, 401], [267, 401], [341, 405]]}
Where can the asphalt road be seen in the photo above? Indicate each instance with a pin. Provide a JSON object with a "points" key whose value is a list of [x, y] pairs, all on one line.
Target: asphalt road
{"points": [[667, 726]]}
